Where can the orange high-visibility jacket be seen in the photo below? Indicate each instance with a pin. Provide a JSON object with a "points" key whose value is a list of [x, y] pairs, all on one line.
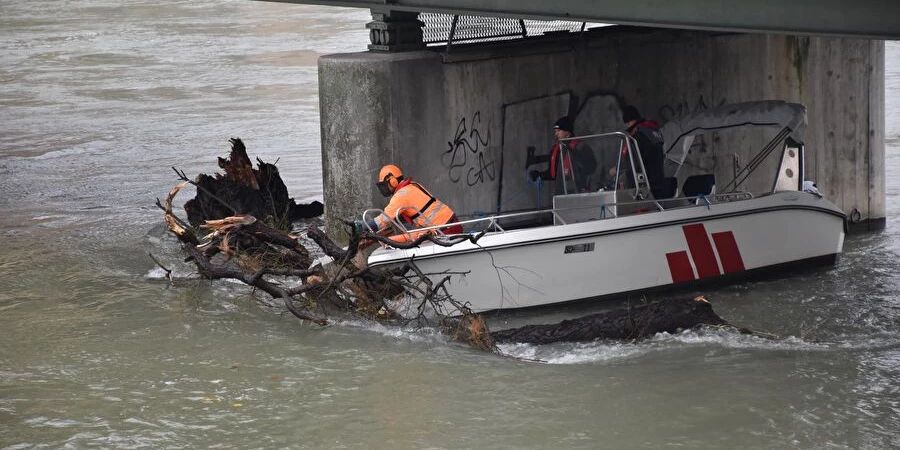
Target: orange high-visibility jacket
{"points": [[415, 204]]}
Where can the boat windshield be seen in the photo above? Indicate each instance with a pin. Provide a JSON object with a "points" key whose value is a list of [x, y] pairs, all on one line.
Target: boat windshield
{"points": [[602, 162]]}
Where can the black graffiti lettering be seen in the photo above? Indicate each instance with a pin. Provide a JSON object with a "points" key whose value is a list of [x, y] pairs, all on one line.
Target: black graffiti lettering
{"points": [[456, 151], [469, 144], [682, 108], [485, 169]]}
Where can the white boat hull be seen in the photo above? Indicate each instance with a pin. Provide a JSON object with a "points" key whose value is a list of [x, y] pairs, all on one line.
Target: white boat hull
{"points": [[554, 264]]}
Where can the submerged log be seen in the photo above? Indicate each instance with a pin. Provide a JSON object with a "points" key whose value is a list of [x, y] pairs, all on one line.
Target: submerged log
{"points": [[625, 323], [242, 189]]}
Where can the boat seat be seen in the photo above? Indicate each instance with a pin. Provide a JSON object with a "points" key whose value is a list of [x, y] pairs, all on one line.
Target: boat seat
{"points": [[666, 188], [696, 185]]}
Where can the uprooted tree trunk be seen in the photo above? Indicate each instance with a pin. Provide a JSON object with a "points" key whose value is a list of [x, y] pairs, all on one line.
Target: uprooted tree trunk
{"points": [[242, 189], [238, 246], [624, 323]]}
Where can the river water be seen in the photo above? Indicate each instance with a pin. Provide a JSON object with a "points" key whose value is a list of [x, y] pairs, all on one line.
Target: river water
{"points": [[99, 99]]}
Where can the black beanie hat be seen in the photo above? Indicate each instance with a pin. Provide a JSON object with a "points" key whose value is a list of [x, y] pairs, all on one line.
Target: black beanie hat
{"points": [[565, 124], [630, 113]]}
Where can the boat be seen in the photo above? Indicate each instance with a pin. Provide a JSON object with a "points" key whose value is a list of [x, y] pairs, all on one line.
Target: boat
{"points": [[623, 239]]}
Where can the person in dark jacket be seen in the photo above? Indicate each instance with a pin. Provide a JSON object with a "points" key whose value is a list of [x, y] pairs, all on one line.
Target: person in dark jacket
{"points": [[650, 143], [576, 161]]}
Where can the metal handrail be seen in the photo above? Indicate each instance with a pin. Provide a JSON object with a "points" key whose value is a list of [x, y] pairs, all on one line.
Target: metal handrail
{"points": [[493, 220], [393, 220], [757, 160], [564, 149], [630, 146]]}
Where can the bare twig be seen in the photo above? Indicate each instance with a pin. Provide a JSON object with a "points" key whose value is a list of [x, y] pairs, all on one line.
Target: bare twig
{"points": [[161, 266]]}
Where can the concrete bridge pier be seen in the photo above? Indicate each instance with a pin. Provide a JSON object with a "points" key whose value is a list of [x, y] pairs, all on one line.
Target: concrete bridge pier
{"points": [[461, 121]]}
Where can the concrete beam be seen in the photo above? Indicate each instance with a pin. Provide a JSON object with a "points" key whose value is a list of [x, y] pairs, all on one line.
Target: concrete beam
{"points": [[876, 19]]}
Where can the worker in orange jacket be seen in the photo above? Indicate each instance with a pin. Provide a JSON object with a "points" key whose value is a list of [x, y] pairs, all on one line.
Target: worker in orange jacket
{"points": [[411, 203]]}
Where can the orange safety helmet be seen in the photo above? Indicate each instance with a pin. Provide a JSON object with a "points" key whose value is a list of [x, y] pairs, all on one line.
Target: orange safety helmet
{"points": [[388, 179]]}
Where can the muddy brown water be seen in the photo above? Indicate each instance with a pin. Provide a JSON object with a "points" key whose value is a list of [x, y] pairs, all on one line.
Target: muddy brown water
{"points": [[99, 98]]}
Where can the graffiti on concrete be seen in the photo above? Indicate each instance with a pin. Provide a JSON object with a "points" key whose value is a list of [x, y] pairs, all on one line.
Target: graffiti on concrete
{"points": [[682, 108], [485, 170], [679, 109], [465, 154]]}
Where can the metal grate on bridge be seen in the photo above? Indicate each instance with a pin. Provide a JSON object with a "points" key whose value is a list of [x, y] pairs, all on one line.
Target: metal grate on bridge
{"points": [[450, 29]]}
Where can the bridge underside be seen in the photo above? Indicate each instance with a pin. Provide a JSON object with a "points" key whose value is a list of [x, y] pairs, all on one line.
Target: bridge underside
{"points": [[877, 19]]}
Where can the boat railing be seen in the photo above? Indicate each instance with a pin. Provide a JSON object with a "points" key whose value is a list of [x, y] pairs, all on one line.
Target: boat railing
{"points": [[628, 147], [492, 222]]}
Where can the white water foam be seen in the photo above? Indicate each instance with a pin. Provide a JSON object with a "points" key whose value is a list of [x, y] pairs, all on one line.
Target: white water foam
{"points": [[573, 353], [426, 334], [156, 273], [605, 351]]}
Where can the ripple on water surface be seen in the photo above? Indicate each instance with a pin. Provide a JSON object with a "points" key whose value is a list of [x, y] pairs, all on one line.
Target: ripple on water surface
{"points": [[99, 99]]}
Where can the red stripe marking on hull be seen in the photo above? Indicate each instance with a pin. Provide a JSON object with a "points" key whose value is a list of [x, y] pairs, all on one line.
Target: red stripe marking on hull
{"points": [[729, 253], [701, 250], [680, 267]]}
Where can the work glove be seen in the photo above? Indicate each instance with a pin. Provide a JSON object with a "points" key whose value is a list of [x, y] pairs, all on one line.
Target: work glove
{"points": [[359, 226]]}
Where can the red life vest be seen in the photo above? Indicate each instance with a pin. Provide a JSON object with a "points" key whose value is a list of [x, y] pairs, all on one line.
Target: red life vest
{"points": [[567, 160]]}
